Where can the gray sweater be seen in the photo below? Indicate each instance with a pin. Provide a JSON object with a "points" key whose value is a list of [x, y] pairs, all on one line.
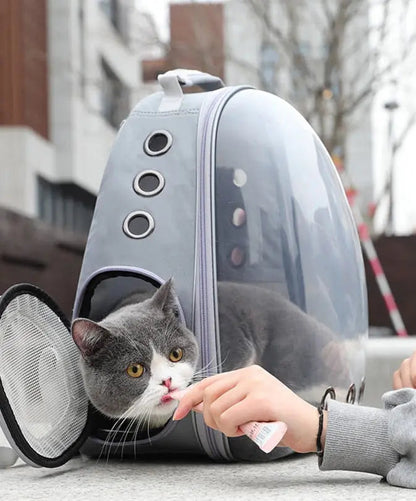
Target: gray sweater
{"points": [[381, 441]]}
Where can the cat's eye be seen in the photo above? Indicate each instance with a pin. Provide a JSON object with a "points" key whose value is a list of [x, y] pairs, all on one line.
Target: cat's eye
{"points": [[176, 354], [135, 370]]}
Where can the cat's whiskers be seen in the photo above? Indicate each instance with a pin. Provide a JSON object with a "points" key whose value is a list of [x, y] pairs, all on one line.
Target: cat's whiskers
{"points": [[109, 438], [115, 429], [142, 408], [149, 415], [136, 431], [125, 435], [202, 373], [134, 419], [135, 415]]}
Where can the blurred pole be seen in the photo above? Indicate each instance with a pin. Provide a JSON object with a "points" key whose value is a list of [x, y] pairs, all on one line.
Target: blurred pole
{"points": [[391, 106]]}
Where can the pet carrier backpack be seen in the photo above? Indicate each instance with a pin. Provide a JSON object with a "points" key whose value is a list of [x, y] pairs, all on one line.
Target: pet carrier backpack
{"points": [[229, 184]]}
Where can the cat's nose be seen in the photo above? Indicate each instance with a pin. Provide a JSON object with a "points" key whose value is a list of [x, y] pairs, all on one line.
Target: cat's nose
{"points": [[167, 382]]}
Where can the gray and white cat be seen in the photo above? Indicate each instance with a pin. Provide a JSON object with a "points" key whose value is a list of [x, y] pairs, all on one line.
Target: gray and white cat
{"points": [[135, 356], [140, 352]]}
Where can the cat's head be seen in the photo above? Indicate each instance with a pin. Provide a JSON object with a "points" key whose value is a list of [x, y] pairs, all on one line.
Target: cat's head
{"points": [[134, 357]]}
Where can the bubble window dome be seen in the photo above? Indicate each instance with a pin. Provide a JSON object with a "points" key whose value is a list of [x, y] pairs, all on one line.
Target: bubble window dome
{"points": [[231, 193]]}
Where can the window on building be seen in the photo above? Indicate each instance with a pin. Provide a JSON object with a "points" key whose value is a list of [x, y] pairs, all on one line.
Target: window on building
{"points": [[65, 205], [269, 60], [114, 97]]}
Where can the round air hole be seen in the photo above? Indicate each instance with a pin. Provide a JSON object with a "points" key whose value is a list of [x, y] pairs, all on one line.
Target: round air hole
{"points": [[158, 143], [239, 217], [239, 178], [148, 183], [138, 224], [237, 257]]}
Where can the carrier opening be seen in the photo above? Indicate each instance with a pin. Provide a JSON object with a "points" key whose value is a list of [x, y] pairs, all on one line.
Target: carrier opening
{"points": [[106, 290], [103, 294]]}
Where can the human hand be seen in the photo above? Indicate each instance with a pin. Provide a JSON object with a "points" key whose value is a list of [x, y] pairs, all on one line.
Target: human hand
{"points": [[405, 376], [234, 398]]}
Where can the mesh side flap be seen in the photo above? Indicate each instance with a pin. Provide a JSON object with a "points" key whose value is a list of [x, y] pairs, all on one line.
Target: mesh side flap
{"points": [[44, 407]]}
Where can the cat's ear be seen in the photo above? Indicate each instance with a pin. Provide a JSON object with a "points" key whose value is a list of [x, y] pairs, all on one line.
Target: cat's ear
{"points": [[88, 336], [165, 299]]}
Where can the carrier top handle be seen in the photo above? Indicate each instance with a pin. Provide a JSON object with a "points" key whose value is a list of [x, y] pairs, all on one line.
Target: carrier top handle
{"points": [[173, 81]]}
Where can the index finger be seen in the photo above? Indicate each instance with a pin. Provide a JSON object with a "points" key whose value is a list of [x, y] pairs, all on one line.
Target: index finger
{"points": [[186, 402], [195, 394]]}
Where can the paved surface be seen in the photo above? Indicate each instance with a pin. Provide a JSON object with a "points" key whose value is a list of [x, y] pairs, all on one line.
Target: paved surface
{"points": [[291, 478], [296, 478]]}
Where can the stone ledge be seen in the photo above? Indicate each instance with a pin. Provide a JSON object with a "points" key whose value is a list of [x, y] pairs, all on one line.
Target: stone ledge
{"points": [[383, 356]]}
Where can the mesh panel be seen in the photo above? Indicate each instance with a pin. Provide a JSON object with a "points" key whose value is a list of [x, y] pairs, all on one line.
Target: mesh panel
{"points": [[40, 375]]}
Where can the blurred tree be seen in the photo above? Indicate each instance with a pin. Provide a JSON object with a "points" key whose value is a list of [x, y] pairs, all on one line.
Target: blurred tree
{"points": [[396, 141], [331, 59], [338, 53]]}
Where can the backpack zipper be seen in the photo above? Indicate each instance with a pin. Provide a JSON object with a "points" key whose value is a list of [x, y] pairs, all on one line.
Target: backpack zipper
{"points": [[205, 307]]}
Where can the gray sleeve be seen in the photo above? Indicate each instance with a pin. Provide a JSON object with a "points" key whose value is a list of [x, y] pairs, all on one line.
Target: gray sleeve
{"points": [[381, 441], [401, 405]]}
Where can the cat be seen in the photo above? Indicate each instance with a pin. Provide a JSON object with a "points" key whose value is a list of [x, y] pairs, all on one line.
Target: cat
{"points": [[132, 359]]}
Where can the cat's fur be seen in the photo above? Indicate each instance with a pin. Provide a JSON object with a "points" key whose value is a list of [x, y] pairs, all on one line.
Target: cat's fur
{"points": [[142, 332], [256, 326], [260, 326]]}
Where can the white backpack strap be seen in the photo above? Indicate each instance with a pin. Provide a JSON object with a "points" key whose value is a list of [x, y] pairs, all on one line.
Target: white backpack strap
{"points": [[173, 81]]}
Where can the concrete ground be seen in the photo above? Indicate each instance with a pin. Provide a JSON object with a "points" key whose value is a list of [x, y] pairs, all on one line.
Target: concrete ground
{"points": [[297, 477], [159, 480]]}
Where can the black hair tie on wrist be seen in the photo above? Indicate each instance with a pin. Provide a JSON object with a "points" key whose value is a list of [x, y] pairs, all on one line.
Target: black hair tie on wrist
{"points": [[322, 406]]}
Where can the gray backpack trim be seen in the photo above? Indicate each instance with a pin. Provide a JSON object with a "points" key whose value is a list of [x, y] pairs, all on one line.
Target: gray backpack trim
{"points": [[205, 317]]}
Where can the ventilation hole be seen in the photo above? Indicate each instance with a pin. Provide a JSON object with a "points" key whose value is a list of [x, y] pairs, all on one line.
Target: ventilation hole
{"points": [[158, 143], [240, 178], [148, 183], [239, 217], [237, 257], [138, 224]]}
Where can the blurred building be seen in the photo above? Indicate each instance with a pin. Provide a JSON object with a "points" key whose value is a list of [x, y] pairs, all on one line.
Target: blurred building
{"points": [[68, 77], [196, 41], [67, 81]]}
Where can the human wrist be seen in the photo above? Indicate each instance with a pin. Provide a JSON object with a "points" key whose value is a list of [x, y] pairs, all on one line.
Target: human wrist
{"points": [[310, 427], [324, 427]]}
